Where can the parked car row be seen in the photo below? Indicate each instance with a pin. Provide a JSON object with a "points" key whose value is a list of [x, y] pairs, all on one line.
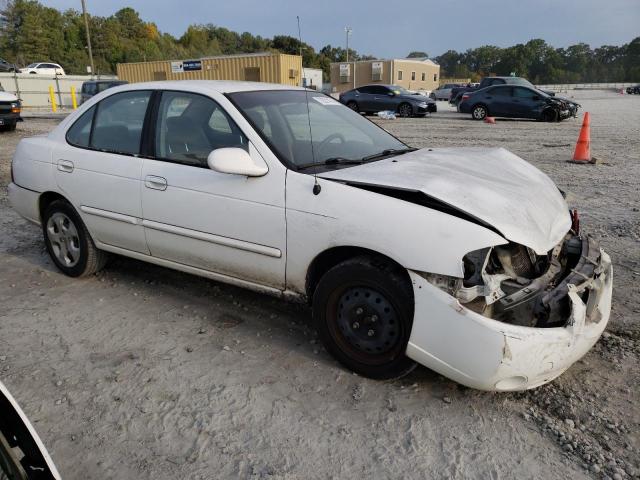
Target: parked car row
{"points": [[38, 68], [376, 98]]}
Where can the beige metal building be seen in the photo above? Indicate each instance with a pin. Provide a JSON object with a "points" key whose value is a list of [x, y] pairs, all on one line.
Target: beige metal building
{"points": [[412, 74], [255, 67]]}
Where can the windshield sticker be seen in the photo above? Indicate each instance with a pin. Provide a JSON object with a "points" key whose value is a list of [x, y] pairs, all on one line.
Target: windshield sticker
{"points": [[326, 101]]}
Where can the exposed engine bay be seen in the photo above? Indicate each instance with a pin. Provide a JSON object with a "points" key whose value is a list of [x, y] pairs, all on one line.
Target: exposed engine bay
{"points": [[512, 284]]}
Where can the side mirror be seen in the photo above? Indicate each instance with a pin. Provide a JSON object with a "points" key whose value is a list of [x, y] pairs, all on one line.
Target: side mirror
{"points": [[235, 161], [391, 94]]}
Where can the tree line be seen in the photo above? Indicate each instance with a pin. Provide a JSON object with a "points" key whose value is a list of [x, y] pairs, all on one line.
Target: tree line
{"points": [[31, 32]]}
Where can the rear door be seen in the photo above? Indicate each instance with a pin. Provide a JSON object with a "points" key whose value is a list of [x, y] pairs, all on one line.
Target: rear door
{"points": [[499, 101], [364, 98], [382, 100], [228, 224], [99, 167]]}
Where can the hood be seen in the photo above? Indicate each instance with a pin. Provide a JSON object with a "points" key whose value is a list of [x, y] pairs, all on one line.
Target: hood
{"points": [[8, 97], [415, 97], [492, 185]]}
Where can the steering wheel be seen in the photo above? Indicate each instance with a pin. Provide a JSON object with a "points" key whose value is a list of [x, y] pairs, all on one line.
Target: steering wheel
{"points": [[329, 139]]}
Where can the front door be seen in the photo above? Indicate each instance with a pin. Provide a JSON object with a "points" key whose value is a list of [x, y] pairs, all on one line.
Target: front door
{"points": [[527, 102], [228, 224], [98, 169]]}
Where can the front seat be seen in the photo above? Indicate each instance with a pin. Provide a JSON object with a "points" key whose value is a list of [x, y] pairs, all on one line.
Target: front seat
{"points": [[187, 141]]}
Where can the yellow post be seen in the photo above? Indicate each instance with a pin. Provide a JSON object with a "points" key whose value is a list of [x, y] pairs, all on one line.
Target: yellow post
{"points": [[74, 102], [52, 97]]}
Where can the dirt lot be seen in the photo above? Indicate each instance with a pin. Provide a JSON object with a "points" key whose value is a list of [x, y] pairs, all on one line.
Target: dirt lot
{"points": [[142, 372]]}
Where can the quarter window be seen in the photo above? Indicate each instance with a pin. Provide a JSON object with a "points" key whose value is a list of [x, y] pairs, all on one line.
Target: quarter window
{"points": [[190, 126], [80, 133], [118, 124]]}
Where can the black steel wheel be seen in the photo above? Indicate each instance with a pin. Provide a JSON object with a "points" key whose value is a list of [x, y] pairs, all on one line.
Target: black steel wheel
{"points": [[405, 110], [363, 311]]}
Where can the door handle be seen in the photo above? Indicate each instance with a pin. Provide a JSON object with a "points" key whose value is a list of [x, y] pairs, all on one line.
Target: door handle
{"points": [[156, 183], [65, 166]]}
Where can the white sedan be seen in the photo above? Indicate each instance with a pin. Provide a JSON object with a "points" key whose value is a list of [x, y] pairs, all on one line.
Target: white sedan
{"points": [[43, 68], [467, 261]]}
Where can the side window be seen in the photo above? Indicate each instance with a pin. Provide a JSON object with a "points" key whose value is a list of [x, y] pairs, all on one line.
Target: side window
{"points": [[118, 122], [79, 133], [365, 89], [190, 126], [500, 91], [380, 90], [521, 92]]}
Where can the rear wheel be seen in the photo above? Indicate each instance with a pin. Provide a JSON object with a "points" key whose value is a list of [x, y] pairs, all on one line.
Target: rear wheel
{"points": [[68, 241], [405, 110], [363, 311], [479, 112], [352, 105]]}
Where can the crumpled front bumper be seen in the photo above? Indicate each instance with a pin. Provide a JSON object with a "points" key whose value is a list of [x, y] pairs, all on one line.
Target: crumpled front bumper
{"points": [[486, 354]]}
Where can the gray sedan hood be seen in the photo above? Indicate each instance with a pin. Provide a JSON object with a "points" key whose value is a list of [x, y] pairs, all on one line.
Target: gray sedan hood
{"points": [[492, 185]]}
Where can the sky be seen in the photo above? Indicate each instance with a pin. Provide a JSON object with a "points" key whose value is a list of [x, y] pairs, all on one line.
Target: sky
{"points": [[387, 28]]}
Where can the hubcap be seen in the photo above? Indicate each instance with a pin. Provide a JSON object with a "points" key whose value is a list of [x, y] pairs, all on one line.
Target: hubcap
{"points": [[367, 321], [64, 239], [478, 112], [405, 110]]}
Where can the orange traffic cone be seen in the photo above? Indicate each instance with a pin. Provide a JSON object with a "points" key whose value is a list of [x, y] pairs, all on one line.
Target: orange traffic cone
{"points": [[582, 153], [489, 119]]}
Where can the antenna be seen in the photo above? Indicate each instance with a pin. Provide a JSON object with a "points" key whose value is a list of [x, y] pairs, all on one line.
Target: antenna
{"points": [[316, 186]]}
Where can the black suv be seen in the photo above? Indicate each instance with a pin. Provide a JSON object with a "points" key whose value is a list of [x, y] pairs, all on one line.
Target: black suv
{"points": [[94, 87]]}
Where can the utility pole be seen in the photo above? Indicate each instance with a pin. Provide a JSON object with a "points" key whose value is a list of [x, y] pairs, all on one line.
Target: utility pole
{"points": [[348, 31], [86, 26]]}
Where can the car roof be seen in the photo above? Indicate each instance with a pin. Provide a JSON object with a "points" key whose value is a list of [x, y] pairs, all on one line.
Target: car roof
{"points": [[220, 86]]}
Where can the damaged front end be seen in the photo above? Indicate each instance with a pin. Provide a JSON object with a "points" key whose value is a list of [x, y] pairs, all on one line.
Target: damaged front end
{"points": [[517, 319], [511, 284]]}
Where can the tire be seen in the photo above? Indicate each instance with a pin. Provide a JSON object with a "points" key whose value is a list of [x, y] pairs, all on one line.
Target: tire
{"points": [[363, 312], [352, 105], [549, 115], [68, 241], [12, 126], [479, 112], [405, 110]]}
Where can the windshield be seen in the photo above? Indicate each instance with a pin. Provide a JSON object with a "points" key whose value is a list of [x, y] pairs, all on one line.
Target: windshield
{"points": [[520, 81], [339, 134], [398, 90]]}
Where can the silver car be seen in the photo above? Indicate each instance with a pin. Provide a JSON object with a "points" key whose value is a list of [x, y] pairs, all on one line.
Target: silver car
{"points": [[443, 92]]}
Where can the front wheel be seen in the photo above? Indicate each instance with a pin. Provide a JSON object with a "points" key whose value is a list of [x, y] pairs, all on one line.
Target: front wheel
{"points": [[363, 312], [352, 105], [479, 112], [549, 115], [405, 110], [68, 241]]}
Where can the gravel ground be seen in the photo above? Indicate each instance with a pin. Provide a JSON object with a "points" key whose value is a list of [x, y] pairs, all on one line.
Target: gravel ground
{"points": [[142, 372]]}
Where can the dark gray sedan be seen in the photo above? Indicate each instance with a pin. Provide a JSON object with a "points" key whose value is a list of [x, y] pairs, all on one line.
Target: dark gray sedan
{"points": [[376, 98]]}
